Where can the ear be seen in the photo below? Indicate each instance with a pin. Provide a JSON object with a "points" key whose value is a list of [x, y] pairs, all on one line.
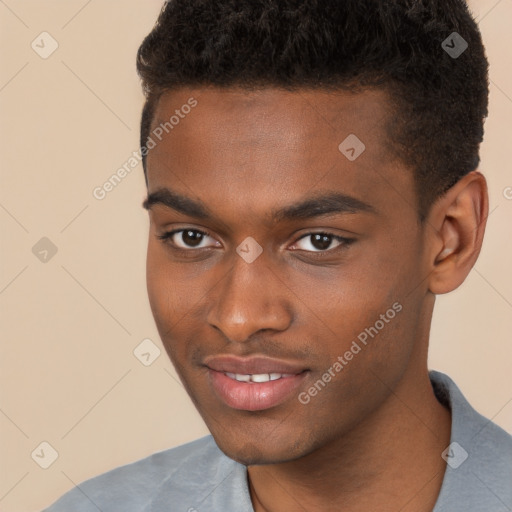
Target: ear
{"points": [[458, 220]]}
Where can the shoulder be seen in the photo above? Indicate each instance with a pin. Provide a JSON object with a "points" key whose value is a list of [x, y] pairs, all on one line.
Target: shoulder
{"points": [[134, 486], [478, 473]]}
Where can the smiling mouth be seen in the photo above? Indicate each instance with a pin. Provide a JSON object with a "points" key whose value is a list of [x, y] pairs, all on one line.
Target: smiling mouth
{"points": [[257, 377], [254, 383], [255, 391]]}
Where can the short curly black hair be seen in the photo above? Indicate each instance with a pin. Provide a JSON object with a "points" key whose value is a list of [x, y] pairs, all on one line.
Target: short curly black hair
{"points": [[439, 99]]}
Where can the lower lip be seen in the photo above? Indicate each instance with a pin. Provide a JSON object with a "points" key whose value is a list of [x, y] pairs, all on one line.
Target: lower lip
{"points": [[254, 396]]}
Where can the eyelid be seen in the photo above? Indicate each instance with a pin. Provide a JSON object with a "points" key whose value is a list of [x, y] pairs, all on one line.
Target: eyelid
{"points": [[168, 235], [343, 241]]}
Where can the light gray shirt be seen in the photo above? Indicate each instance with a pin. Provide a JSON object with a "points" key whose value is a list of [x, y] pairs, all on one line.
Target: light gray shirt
{"points": [[198, 477]]}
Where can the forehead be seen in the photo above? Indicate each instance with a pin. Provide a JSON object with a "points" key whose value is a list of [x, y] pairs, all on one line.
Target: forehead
{"points": [[256, 148], [270, 115]]}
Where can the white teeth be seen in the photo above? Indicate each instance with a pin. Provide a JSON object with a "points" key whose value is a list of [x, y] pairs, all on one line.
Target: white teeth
{"points": [[259, 377]]}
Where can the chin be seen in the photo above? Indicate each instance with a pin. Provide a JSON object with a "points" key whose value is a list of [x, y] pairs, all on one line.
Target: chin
{"points": [[259, 453]]}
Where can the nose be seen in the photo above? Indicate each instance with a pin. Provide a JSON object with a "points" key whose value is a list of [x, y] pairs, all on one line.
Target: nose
{"points": [[249, 299]]}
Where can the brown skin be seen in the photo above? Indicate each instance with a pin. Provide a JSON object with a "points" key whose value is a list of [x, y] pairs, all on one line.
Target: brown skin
{"points": [[372, 438]]}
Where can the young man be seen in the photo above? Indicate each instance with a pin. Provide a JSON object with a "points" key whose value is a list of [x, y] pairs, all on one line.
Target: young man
{"points": [[312, 186]]}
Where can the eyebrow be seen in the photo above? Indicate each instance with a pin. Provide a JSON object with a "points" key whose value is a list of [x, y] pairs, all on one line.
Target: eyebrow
{"points": [[314, 206]]}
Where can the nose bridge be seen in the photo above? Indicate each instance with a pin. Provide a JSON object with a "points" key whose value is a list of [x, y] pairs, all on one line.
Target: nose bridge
{"points": [[248, 300]]}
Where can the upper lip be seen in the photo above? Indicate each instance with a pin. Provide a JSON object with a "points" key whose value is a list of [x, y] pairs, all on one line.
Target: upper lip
{"points": [[251, 365]]}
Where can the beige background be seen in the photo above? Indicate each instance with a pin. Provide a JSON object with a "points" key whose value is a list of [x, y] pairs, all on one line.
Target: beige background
{"points": [[69, 326]]}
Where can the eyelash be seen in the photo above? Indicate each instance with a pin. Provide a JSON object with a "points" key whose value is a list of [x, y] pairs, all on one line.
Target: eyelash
{"points": [[344, 242]]}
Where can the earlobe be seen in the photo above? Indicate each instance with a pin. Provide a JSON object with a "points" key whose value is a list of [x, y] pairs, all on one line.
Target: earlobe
{"points": [[460, 217]]}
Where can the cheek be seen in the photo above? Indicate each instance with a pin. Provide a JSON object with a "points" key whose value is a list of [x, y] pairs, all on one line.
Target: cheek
{"points": [[164, 310], [157, 282], [349, 300], [168, 299], [361, 313], [174, 296]]}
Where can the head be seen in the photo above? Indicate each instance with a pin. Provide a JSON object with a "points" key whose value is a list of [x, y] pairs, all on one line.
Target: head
{"points": [[343, 140]]}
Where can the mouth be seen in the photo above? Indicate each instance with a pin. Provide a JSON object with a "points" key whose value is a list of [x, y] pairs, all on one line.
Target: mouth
{"points": [[253, 384], [257, 377]]}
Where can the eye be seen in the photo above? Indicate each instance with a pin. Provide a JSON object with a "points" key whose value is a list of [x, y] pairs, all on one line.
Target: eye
{"points": [[321, 242], [186, 238]]}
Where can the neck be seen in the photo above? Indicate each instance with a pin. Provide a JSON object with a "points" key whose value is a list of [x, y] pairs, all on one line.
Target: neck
{"points": [[391, 461]]}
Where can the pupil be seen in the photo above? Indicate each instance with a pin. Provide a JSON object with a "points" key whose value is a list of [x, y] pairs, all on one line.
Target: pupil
{"points": [[321, 241], [192, 237]]}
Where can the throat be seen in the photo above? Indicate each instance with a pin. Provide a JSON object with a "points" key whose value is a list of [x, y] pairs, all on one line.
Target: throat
{"points": [[397, 466]]}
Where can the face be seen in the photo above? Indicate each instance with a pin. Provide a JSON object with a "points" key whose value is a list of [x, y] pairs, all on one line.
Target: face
{"points": [[275, 256]]}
